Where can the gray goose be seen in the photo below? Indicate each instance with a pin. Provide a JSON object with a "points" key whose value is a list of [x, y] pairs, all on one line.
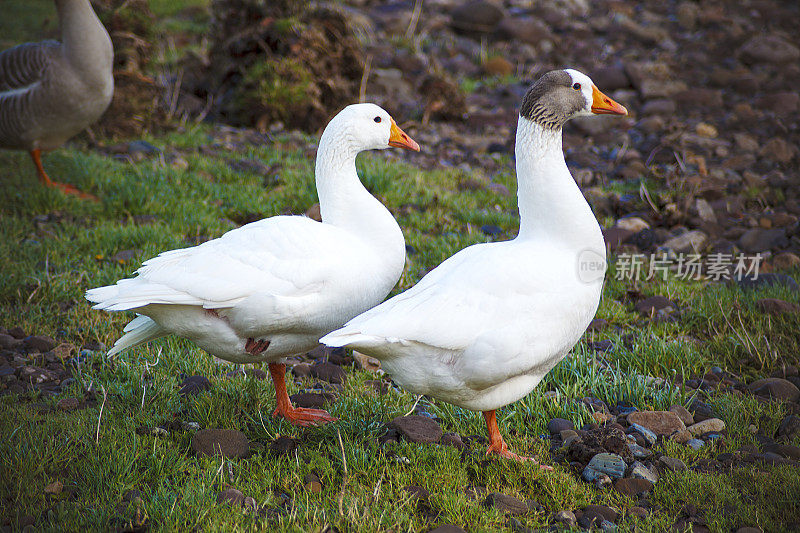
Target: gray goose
{"points": [[50, 90]]}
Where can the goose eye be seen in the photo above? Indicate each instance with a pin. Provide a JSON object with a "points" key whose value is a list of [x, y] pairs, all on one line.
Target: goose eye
{"points": [[577, 86], [377, 119]]}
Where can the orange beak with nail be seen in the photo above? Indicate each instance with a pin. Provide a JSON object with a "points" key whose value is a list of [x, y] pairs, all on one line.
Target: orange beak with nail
{"points": [[603, 105], [399, 139]]}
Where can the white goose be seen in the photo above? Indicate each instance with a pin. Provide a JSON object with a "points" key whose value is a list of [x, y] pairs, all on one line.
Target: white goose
{"points": [[483, 328], [272, 288]]}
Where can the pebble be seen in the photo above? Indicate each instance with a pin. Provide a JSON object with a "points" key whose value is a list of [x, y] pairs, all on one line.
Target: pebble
{"points": [[633, 487], [639, 452], [39, 343], [228, 443], [506, 504], [68, 404], [689, 242], [454, 440], [194, 385], [683, 413], [232, 496], [672, 464], [417, 428], [777, 307], [654, 304], [695, 444], [768, 279], [312, 483], [301, 370], [789, 427], [600, 511], [649, 437], [775, 388], [659, 422], [448, 528], [565, 517], [770, 49], [283, 446], [609, 464], [329, 372], [477, 16], [707, 426], [758, 240], [641, 471], [557, 425], [634, 224]]}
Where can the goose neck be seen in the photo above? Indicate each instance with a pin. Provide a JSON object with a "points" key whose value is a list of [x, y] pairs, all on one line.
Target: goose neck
{"points": [[86, 43]]}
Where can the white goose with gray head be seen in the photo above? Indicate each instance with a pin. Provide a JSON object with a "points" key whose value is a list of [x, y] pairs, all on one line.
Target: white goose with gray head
{"points": [[483, 328], [272, 288], [51, 91]]}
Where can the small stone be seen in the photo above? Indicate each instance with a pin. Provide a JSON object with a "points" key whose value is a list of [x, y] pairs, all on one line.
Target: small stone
{"points": [[301, 370], [39, 343], [775, 388], [231, 496], [498, 66], [312, 483], [638, 451], [557, 425], [8, 342], [777, 307], [784, 450], [417, 428], [565, 517], [417, 492], [366, 362], [634, 224], [54, 488], [638, 512], [640, 471], [283, 445], [770, 49], [768, 279], [454, 440], [448, 528], [695, 444], [707, 426], [757, 240], [789, 427], [68, 404], [649, 437], [659, 422], [477, 16], [749, 529], [310, 400], [506, 504], [672, 464], [633, 487], [228, 443], [194, 385], [683, 413], [602, 512], [609, 464], [653, 305], [690, 242], [329, 372], [785, 261]]}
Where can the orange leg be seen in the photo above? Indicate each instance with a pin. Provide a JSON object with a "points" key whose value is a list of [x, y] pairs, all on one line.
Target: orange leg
{"points": [[298, 416], [36, 155], [498, 446]]}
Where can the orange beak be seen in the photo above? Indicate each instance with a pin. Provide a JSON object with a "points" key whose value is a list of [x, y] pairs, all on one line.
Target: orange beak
{"points": [[399, 139], [603, 105]]}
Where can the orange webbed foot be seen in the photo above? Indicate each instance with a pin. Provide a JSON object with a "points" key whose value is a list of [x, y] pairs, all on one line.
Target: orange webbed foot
{"points": [[301, 416]]}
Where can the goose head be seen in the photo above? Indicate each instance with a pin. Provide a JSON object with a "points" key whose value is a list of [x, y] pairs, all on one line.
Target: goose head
{"points": [[561, 95], [369, 127]]}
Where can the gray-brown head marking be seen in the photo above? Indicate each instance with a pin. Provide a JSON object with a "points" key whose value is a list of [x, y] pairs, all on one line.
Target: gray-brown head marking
{"points": [[553, 100]]}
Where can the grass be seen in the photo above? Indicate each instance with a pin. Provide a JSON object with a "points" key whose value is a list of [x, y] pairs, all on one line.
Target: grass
{"points": [[60, 246]]}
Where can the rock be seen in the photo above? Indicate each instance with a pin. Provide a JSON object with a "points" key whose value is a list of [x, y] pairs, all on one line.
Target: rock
{"points": [[785, 261], [17, 332], [231, 496], [506, 504], [609, 464], [690, 242], [194, 385], [649, 436], [600, 511], [672, 464], [768, 49], [329, 372], [7, 370], [417, 428], [707, 426], [301, 370], [283, 446], [611, 78], [658, 106], [8, 342], [748, 529], [640, 471], [498, 66], [557, 425], [54, 488], [479, 16], [778, 150], [311, 400], [228, 443], [784, 450], [683, 413], [69, 404], [634, 224], [652, 305], [775, 388], [757, 240], [633, 487], [777, 307], [614, 237], [312, 483], [659, 422], [565, 517], [789, 427], [638, 451], [366, 362], [681, 437], [454, 440], [39, 343], [695, 444], [529, 30], [768, 279]]}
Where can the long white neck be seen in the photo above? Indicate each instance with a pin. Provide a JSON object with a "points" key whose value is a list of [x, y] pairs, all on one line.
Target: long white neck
{"points": [[551, 206], [344, 202], [86, 43]]}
